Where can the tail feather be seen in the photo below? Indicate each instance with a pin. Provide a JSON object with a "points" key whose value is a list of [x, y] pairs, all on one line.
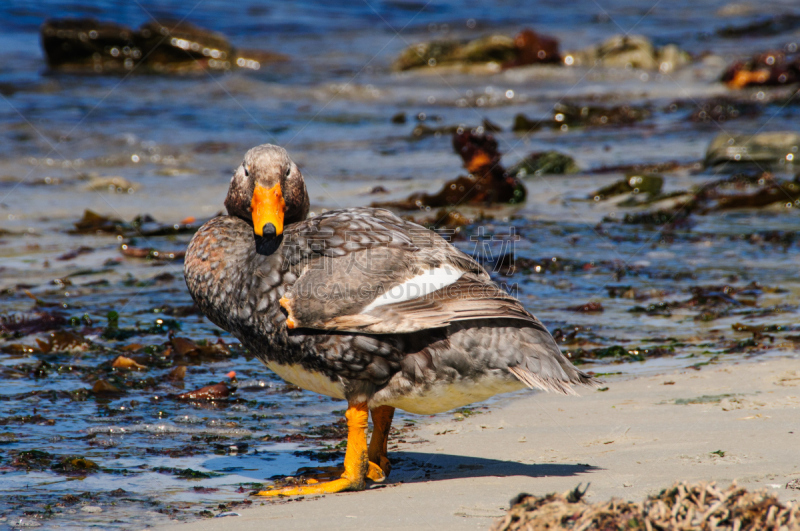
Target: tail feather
{"points": [[545, 367]]}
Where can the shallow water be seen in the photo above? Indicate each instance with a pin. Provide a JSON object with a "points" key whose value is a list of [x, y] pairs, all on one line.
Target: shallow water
{"points": [[176, 141]]}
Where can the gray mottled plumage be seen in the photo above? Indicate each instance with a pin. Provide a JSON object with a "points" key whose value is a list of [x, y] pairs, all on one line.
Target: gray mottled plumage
{"points": [[453, 346]]}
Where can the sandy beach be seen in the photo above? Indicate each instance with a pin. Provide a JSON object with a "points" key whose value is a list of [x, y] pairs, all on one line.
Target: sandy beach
{"points": [[737, 421]]}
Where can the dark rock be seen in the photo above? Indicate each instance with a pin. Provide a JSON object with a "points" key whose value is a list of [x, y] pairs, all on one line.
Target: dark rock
{"points": [[523, 124], [491, 127], [88, 46], [423, 131], [723, 109], [589, 307], [762, 148], [399, 118], [544, 163], [567, 115], [649, 184], [590, 115], [765, 27], [527, 47]]}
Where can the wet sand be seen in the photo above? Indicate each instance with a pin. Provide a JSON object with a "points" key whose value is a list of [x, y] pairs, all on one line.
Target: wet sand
{"points": [[736, 421]]}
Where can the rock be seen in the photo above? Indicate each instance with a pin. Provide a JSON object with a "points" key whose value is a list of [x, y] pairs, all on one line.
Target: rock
{"points": [[111, 184], [583, 115], [629, 51], [91, 509], [423, 131], [589, 307], [527, 47], [723, 109], [399, 118], [762, 148], [636, 184], [86, 45], [774, 192], [567, 115], [523, 124], [544, 163], [765, 27], [736, 9], [771, 68]]}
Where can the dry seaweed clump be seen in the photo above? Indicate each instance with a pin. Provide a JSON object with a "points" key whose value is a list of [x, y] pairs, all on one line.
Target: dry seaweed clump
{"points": [[698, 506]]}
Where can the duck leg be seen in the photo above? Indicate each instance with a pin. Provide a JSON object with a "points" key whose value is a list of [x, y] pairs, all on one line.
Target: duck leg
{"points": [[356, 461], [379, 464]]}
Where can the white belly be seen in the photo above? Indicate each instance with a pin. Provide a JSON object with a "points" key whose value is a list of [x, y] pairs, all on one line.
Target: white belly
{"points": [[311, 381], [444, 397]]}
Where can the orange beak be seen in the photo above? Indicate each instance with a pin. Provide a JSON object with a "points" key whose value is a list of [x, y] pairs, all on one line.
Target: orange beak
{"points": [[267, 207]]}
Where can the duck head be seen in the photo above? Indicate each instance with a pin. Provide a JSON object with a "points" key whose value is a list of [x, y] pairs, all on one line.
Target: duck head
{"points": [[267, 190]]}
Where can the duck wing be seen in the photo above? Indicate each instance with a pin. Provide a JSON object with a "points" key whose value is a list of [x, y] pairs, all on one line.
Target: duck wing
{"points": [[366, 270]]}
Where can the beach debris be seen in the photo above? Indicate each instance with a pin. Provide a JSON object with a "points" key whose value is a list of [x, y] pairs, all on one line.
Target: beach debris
{"points": [[74, 464], [150, 253], [63, 341], [527, 47], [634, 184], [186, 473], [718, 110], [209, 392], [770, 68], [763, 27], [487, 183], [589, 307], [683, 506], [31, 459], [595, 115], [629, 51], [424, 130], [21, 324], [71, 255], [89, 46], [142, 225], [123, 362], [743, 190], [104, 387], [762, 148], [177, 374], [116, 184], [92, 223], [566, 115], [544, 163], [618, 354]]}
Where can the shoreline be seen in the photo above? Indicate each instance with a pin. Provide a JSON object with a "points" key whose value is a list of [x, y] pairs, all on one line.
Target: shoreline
{"points": [[732, 421]]}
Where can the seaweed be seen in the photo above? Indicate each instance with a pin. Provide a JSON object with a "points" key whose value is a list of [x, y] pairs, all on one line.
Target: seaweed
{"points": [[487, 183]]}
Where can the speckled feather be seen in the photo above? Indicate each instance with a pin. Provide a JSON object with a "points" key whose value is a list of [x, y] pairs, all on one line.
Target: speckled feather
{"points": [[424, 355]]}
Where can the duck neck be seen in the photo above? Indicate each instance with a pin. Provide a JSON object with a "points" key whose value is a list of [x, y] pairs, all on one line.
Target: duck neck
{"points": [[267, 246]]}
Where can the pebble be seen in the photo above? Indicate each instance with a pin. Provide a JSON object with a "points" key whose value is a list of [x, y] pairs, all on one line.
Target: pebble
{"points": [[92, 509]]}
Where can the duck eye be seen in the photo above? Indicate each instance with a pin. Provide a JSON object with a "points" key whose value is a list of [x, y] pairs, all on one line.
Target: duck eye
{"points": [[246, 171], [288, 171]]}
